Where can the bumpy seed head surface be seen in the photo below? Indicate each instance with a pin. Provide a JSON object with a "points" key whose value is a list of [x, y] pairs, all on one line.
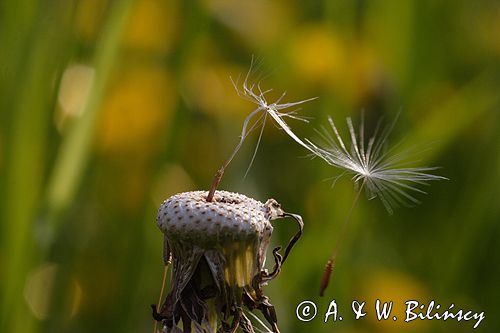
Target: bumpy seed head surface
{"points": [[229, 216]]}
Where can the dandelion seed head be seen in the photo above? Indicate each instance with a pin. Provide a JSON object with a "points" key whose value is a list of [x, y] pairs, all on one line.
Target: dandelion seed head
{"points": [[380, 171], [218, 252]]}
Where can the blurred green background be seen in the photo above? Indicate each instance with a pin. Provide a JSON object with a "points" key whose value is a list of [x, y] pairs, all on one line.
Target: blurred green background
{"points": [[109, 107]]}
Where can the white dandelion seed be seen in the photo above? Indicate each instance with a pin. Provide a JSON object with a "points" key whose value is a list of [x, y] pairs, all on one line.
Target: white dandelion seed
{"points": [[380, 171], [253, 92], [372, 166]]}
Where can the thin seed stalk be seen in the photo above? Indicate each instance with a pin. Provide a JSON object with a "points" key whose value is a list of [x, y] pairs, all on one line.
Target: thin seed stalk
{"points": [[325, 279]]}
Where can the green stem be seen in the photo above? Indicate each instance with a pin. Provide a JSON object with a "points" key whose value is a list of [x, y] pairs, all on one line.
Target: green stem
{"points": [[75, 149], [31, 111]]}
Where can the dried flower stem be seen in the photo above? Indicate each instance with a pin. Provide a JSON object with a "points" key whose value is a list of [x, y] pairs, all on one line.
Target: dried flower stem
{"points": [[163, 282], [325, 280]]}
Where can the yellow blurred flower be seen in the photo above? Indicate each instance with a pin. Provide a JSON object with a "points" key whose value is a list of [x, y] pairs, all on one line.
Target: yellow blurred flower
{"points": [[317, 54], [259, 21], [209, 87], [363, 77], [397, 287], [153, 25], [136, 110], [320, 55]]}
